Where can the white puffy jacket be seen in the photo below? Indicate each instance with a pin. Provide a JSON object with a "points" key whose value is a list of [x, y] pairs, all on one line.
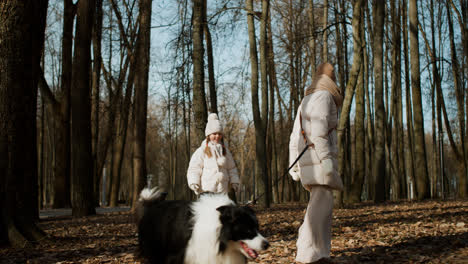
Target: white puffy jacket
{"points": [[212, 174], [319, 121]]}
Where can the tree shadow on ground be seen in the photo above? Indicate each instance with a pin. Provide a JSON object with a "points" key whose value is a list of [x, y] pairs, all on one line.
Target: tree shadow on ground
{"points": [[396, 211], [421, 249], [402, 219]]}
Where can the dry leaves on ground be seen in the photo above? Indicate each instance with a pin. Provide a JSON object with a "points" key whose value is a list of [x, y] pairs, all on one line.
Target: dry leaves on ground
{"points": [[421, 232]]}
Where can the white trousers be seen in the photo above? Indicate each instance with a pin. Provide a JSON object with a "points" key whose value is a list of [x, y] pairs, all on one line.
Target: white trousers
{"points": [[314, 239]]}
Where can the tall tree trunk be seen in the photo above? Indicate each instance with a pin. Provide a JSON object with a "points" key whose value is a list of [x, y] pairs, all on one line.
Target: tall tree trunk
{"points": [[121, 138], [82, 160], [209, 54], [420, 162], [357, 178], [265, 185], [275, 158], [409, 112], [344, 68], [435, 150], [368, 182], [260, 146], [325, 32], [118, 110], [349, 91], [399, 122], [59, 108], [379, 157], [370, 129], [141, 99], [41, 155], [441, 109], [282, 156], [118, 120], [396, 97], [97, 38], [200, 113], [62, 169], [339, 46], [437, 86], [465, 65], [463, 23], [312, 54], [460, 95], [22, 26]]}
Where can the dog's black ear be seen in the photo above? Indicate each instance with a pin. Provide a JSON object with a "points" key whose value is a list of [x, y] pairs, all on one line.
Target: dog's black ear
{"points": [[226, 213], [221, 209], [225, 210], [249, 209], [226, 217]]}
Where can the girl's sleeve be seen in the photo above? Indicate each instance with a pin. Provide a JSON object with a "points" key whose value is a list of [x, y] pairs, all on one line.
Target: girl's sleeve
{"points": [[195, 168], [231, 168]]}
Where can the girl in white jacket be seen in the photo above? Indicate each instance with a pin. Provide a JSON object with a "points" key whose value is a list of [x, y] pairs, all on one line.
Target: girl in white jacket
{"points": [[212, 168], [315, 125]]}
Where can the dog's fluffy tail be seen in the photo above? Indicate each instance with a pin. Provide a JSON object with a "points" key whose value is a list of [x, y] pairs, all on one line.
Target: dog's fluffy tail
{"points": [[147, 197]]}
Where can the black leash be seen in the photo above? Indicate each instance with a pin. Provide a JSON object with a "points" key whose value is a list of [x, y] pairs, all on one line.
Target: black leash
{"points": [[254, 201]]}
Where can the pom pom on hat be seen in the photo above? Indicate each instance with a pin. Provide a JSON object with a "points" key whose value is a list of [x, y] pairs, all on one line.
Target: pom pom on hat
{"points": [[213, 125]]}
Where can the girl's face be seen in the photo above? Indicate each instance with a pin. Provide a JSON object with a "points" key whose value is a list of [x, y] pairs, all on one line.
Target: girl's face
{"points": [[216, 137]]}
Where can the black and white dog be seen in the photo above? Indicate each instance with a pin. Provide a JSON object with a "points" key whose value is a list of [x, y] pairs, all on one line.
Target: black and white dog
{"points": [[211, 230]]}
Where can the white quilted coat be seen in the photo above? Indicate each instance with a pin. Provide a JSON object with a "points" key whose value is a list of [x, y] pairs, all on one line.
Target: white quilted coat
{"points": [[319, 120], [212, 174]]}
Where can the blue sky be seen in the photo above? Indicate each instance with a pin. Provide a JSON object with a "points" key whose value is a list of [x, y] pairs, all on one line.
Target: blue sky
{"points": [[230, 54]]}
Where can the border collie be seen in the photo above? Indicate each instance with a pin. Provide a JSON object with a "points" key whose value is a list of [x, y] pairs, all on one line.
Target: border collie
{"points": [[211, 230]]}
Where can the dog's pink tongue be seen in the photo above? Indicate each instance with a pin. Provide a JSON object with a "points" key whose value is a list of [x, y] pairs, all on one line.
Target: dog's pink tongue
{"points": [[252, 253]]}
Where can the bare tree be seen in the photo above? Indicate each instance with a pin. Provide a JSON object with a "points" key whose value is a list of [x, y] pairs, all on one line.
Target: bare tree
{"points": [[264, 184], [357, 179], [141, 99], [460, 94], [59, 108], [420, 162], [120, 104], [200, 113], [409, 112], [379, 157], [395, 97], [272, 132], [441, 108], [325, 31], [96, 91], [82, 160], [312, 37], [209, 54], [350, 88], [260, 119], [22, 27]]}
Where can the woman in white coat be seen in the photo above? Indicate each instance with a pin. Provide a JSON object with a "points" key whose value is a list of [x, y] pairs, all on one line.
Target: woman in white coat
{"points": [[212, 168], [315, 126]]}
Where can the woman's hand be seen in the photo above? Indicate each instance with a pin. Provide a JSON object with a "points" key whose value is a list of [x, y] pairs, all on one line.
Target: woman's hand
{"points": [[327, 167], [294, 172], [195, 188]]}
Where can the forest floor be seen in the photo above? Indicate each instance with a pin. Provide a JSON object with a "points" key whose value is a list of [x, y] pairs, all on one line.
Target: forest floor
{"points": [[405, 232]]}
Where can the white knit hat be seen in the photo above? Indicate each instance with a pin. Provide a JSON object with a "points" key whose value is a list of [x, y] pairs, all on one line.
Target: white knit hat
{"points": [[213, 125]]}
